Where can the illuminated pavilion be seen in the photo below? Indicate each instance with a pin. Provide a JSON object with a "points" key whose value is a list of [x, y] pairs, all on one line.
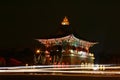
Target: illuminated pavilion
{"points": [[67, 49]]}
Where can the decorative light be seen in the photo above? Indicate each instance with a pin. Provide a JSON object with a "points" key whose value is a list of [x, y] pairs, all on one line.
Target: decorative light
{"points": [[92, 55], [57, 50], [71, 39], [65, 21], [82, 54], [72, 54], [46, 52], [82, 65], [71, 51], [96, 67], [38, 51]]}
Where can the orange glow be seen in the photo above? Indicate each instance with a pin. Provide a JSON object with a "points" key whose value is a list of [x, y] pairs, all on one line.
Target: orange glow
{"points": [[38, 51], [65, 21]]}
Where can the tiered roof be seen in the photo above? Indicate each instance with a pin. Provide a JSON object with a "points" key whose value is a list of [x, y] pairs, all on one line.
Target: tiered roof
{"points": [[71, 39]]}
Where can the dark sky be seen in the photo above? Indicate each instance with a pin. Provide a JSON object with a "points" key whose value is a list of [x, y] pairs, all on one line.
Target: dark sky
{"points": [[22, 21]]}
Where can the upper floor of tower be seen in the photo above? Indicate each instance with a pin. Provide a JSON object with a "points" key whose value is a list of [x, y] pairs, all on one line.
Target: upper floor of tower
{"points": [[65, 21]]}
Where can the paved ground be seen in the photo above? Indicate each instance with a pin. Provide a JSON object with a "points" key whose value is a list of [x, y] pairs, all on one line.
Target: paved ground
{"points": [[21, 76]]}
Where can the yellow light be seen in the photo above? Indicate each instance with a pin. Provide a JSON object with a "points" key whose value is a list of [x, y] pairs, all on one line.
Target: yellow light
{"points": [[38, 51], [92, 54], [92, 57], [65, 21]]}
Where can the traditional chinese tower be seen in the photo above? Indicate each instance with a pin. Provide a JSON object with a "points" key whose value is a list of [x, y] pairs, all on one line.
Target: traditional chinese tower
{"points": [[65, 48]]}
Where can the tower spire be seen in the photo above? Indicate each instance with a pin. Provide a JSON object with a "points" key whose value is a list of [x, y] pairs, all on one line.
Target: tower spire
{"points": [[65, 21]]}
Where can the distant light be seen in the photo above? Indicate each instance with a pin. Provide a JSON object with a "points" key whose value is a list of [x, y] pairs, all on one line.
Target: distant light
{"points": [[38, 51], [71, 51], [82, 54], [26, 64], [96, 67], [91, 54], [72, 54], [46, 52], [65, 21]]}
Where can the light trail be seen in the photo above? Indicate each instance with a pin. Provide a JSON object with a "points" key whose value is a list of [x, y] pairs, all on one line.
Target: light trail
{"points": [[81, 69], [54, 71], [48, 66], [93, 69]]}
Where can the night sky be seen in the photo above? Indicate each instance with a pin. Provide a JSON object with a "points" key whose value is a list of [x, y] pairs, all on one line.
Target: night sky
{"points": [[22, 21]]}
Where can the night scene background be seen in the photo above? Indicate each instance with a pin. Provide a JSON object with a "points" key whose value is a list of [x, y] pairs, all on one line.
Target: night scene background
{"points": [[23, 21]]}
